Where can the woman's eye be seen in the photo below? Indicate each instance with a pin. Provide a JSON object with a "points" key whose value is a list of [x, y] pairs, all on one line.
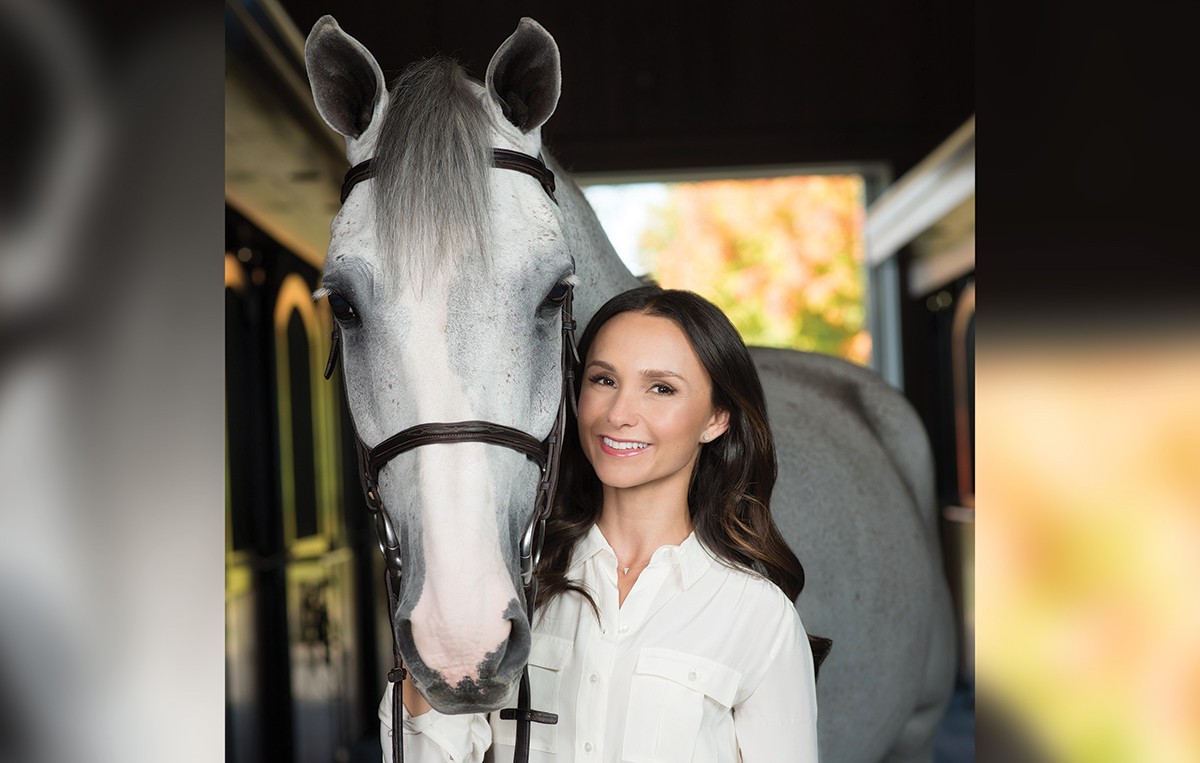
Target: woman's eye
{"points": [[343, 311], [602, 380], [663, 389]]}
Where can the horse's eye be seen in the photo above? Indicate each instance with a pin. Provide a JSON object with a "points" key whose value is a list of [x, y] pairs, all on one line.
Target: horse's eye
{"points": [[343, 311], [558, 293]]}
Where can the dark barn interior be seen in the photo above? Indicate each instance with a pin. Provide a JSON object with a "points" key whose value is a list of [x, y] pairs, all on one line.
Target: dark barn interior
{"points": [[648, 90]]}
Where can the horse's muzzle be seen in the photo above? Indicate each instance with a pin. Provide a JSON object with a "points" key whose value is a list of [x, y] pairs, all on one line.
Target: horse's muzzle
{"points": [[456, 682]]}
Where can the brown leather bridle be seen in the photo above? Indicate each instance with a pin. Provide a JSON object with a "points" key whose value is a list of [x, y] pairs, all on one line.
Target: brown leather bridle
{"points": [[546, 453]]}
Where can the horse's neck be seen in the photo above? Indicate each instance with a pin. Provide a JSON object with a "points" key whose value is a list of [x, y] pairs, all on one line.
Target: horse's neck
{"points": [[602, 274]]}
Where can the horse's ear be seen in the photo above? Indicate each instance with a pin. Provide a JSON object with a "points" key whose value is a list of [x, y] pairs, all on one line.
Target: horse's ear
{"points": [[524, 76], [347, 83]]}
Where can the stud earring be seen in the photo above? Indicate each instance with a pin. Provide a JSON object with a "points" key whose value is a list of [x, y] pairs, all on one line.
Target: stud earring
{"points": [[704, 437]]}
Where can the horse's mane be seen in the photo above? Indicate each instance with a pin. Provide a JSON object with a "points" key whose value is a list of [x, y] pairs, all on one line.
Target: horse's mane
{"points": [[431, 161]]}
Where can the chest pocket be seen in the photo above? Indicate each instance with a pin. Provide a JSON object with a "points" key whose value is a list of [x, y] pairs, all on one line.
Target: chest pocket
{"points": [[669, 695], [547, 656]]}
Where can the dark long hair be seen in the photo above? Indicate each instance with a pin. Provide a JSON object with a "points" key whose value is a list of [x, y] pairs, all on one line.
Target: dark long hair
{"points": [[730, 493]]}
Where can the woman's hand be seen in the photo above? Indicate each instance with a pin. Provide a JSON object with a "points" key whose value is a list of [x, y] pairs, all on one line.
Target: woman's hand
{"points": [[413, 701]]}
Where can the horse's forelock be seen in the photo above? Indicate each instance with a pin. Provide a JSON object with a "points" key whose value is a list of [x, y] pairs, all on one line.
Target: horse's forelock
{"points": [[431, 162]]}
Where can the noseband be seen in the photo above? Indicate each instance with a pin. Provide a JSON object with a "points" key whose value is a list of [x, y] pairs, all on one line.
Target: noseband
{"points": [[545, 453]]}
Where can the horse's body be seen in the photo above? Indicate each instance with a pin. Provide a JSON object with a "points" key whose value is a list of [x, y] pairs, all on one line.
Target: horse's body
{"points": [[450, 323]]}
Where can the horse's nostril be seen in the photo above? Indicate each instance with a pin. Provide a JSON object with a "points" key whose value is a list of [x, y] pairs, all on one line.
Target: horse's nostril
{"points": [[507, 661], [513, 654]]}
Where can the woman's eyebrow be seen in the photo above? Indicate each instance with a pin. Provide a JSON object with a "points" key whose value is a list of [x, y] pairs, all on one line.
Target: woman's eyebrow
{"points": [[652, 373], [649, 373]]}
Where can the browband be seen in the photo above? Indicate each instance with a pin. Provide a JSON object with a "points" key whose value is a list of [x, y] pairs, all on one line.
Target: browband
{"points": [[502, 158]]}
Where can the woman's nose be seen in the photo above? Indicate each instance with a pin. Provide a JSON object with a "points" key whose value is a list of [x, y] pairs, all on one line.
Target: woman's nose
{"points": [[623, 410]]}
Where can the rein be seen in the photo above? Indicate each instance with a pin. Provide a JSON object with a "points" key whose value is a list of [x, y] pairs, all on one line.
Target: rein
{"points": [[546, 453]]}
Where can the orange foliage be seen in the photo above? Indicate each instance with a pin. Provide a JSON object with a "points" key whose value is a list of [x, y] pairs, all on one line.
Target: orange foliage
{"points": [[1089, 545], [782, 257]]}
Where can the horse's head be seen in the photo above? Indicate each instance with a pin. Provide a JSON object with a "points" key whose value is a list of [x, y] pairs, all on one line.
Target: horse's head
{"points": [[445, 275]]}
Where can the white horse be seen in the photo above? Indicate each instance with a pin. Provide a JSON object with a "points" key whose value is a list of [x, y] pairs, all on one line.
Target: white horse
{"points": [[442, 272]]}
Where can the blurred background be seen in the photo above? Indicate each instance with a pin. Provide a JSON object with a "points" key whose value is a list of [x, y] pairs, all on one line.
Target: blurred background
{"points": [[140, 137], [111, 346]]}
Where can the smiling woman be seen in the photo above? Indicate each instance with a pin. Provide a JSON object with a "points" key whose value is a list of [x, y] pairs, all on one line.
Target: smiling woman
{"points": [[666, 369], [644, 413]]}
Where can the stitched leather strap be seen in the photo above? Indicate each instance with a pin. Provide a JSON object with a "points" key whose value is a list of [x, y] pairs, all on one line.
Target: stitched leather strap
{"points": [[396, 676], [355, 175], [502, 159], [460, 431]]}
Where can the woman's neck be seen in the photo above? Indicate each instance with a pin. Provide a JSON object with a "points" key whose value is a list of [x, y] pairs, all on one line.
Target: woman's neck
{"points": [[636, 523]]}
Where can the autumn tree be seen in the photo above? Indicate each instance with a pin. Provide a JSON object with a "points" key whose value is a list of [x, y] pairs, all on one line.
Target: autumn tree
{"points": [[781, 256]]}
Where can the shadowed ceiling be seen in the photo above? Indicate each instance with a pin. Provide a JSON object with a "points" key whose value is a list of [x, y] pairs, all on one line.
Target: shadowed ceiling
{"points": [[670, 84], [667, 85]]}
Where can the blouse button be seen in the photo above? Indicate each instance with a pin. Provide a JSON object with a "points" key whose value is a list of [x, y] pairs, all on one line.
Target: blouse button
{"points": [[587, 746], [594, 678], [623, 629], [692, 676]]}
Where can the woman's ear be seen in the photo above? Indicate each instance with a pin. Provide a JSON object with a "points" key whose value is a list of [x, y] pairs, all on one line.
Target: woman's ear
{"points": [[717, 426]]}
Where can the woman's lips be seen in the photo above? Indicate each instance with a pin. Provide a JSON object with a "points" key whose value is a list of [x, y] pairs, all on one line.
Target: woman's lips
{"points": [[611, 446]]}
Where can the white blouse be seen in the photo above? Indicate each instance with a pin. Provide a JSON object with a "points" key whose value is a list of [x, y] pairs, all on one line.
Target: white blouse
{"points": [[701, 663]]}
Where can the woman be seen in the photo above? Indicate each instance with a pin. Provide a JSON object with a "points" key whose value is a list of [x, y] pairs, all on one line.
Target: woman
{"points": [[665, 627]]}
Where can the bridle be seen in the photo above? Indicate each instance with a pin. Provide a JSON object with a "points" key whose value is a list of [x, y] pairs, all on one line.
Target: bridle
{"points": [[546, 453], [502, 158]]}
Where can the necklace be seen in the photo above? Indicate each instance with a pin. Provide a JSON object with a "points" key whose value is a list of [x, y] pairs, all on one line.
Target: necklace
{"points": [[625, 570]]}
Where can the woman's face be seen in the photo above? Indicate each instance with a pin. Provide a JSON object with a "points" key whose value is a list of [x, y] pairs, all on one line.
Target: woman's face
{"points": [[645, 404]]}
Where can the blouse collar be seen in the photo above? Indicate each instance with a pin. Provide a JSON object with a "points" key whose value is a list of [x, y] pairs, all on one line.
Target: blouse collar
{"points": [[690, 556]]}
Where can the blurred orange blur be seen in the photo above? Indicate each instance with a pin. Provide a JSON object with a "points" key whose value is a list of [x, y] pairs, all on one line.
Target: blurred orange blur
{"points": [[1088, 545]]}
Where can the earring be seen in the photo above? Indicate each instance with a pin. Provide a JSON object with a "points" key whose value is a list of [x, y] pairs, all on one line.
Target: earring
{"points": [[704, 437]]}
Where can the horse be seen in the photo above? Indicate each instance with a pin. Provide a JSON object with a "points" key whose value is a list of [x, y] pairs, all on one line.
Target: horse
{"points": [[445, 275]]}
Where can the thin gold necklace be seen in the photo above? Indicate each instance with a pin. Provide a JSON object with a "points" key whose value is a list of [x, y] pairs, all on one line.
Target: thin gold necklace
{"points": [[625, 570]]}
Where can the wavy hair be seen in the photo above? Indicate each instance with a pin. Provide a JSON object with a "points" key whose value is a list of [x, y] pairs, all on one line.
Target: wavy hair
{"points": [[730, 491]]}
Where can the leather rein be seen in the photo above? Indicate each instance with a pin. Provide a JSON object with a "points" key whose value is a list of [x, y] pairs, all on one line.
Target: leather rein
{"points": [[545, 453]]}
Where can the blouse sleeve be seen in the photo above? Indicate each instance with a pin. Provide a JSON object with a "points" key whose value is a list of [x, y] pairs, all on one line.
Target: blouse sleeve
{"points": [[433, 737], [778, 721]]}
